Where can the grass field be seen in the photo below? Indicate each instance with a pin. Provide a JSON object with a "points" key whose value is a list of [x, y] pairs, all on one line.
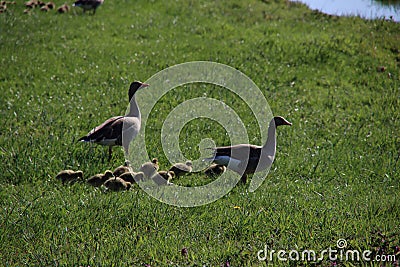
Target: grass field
{"points": [[336, 173]]}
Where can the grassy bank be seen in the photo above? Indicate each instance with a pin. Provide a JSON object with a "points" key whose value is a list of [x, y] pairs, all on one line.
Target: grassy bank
{"points": [[336, 173]]}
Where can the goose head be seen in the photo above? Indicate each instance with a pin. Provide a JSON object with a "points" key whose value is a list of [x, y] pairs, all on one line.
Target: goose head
{"points": [[281, 121], [134, 87]]}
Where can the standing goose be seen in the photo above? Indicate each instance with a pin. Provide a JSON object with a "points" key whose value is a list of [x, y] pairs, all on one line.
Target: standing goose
{"points": [[88, 4], [258, 157], [109, 133]]}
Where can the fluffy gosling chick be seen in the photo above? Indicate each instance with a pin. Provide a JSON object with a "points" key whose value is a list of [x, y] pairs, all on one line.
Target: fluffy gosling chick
{"points": [[3, 7], [122, 169], [139, 176], [132, 177], [31, 4], [215, 170], [51, 5], [128, 177], [69, 176], [63, 9], [163, 177], [117, 184], [182, 168], [149, 168], [99, 179]]}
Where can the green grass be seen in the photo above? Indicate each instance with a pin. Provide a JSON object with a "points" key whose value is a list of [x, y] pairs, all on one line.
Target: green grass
{"points": [[336, 173]]}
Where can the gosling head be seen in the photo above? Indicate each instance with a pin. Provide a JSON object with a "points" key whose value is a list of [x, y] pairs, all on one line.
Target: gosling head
{"points": [[108, 174]]}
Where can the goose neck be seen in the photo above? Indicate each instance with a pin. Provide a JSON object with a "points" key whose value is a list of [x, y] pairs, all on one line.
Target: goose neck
{"points": [[133, 108], [270, 144]]}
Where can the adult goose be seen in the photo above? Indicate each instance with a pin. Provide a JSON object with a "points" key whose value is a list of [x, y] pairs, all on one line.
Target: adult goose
{"points": [[247, 159], [88, 4], [109, 133]]}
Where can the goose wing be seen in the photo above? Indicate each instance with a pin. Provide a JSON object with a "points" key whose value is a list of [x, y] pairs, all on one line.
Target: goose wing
{"points": [[111, 129], [238, 151]]}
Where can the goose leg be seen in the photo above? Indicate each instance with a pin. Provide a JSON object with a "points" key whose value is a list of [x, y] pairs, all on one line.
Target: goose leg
{"points": [[243, 179], [109, 153], [126, 150]]}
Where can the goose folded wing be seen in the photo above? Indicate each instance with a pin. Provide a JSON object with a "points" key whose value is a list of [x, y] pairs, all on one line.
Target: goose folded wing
{"points": [[110, 129], [239, 151]]}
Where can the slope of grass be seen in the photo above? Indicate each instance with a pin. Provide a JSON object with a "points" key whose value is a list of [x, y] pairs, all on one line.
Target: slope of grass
{"points": [[336, 171]]}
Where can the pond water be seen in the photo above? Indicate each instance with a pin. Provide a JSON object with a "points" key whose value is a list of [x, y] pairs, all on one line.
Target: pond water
{"points": [[369, 9]]}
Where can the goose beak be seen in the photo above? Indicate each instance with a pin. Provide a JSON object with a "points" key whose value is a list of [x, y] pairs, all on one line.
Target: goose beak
{"points": [[288, 123], [144, 85]]}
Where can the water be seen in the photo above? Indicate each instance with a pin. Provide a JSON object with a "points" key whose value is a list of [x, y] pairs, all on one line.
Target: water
{"points": [[369, 9]]}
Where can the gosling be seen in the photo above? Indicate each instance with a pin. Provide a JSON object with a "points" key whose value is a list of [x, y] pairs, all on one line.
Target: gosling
{"points": [[69, 176], [117, 184], [215, 170], [149, 168], [181, 169], [44, 8], [99, 179], [51, 5], [63, 9], [122, 169], [163, 177], [128, 177], [31, 4]]}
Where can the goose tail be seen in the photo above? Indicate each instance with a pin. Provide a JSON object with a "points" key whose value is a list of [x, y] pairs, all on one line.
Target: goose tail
{"points": [[208, 159], [84, 139]]}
